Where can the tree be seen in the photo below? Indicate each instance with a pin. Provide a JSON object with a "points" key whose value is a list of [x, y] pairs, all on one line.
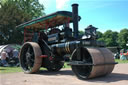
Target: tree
{"points": [[31, 7], [81, 32], [13, 13], [109, 37], [99, 36], [123, 38]]}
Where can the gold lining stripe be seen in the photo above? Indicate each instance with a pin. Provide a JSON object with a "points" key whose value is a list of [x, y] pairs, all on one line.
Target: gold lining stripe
{"points": [[68, 47]]}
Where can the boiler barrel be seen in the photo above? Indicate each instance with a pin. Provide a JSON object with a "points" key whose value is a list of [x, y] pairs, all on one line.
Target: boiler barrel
{"points": [[96, 62]]}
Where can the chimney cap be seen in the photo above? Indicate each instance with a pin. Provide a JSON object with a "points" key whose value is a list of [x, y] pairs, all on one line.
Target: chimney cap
{"points": [[75, 4]]}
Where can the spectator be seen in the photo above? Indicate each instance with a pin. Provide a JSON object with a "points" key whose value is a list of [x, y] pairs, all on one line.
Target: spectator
{"points": [[3, 58], [15, 53], [117, 55], [15, 56], [123, 57], [10, 54]]}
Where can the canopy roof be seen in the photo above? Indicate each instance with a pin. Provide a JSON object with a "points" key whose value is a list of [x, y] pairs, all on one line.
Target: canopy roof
{"points": [[48, 21]]}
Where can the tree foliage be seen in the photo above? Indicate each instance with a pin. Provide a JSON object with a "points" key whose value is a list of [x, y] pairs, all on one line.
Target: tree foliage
{"points": [[31, 7], [13, 13], [81, 32], [99, 34], [123, 38], [114, 38], [110, 38]]}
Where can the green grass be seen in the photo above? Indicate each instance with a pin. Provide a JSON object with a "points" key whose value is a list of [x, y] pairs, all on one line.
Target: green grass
{"points": [[10, 69], [18, 69], [66, 65], [121, 61], [4, 70]]}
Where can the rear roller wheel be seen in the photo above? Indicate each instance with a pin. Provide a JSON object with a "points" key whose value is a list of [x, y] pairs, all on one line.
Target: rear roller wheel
{"points": [[30, 59]]}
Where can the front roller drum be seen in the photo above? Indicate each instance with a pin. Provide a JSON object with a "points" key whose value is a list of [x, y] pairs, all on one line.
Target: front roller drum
{"points": [[92, 62], [30, 59]]}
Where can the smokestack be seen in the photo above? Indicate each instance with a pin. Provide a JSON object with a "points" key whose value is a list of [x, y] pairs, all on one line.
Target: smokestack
{"points": [[75, 19]]}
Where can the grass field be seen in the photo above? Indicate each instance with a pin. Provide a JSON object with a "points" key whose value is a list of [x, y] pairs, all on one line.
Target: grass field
{"points": [[121, 61], [18, 69], [10, 69]]}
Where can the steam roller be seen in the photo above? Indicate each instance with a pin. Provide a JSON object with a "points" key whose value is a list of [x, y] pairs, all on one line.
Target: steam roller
{"points": [[86, 62], [48, 46]]}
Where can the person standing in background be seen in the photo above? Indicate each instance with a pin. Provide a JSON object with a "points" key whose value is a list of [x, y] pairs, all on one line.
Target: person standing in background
{"points": [[15, 55], [4, 55]]}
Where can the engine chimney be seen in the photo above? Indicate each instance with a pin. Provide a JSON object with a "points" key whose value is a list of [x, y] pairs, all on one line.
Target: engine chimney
{"points": [[75, 19]]}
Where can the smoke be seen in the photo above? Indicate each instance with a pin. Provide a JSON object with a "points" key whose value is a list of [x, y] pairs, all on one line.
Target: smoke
{"points": [[61, 4]]}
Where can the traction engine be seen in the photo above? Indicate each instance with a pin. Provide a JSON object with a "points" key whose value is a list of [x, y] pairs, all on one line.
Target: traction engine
{"points": [[49, 41]]}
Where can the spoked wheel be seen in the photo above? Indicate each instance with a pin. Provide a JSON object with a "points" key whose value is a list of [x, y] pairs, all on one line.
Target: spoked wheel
{"points": [[56, 66], [81, 71], [30, 59]]}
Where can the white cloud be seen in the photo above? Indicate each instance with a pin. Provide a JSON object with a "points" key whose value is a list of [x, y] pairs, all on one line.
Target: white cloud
{"points": [[61, 4]]}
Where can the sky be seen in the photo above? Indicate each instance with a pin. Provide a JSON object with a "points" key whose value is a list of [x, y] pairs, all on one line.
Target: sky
{"points": [[103, 14]]}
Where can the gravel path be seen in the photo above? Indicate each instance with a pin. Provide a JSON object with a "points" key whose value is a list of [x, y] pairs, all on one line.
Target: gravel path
{"points": [[119, 76]]}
